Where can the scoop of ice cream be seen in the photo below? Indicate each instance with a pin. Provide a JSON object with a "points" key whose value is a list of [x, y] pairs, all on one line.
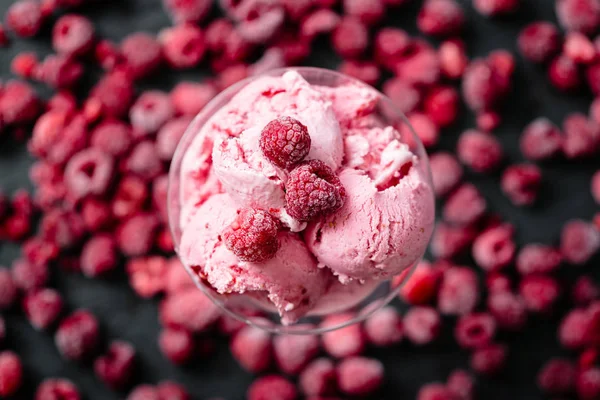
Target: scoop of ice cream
{"points": [[377, 233], [291, 280]]}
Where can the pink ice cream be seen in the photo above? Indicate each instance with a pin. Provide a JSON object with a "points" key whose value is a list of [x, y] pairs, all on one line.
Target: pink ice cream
{"points": [[333, 262]]}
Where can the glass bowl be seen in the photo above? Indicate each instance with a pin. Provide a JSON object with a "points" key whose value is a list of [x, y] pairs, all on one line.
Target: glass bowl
{"points": [[246, 308]]}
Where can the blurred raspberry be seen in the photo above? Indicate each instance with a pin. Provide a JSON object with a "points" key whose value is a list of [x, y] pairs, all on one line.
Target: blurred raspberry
{"points": [[541, 139], [43, 308], [579, 241], [57, 389], [189, 309], [28, 276], [508, 310], [24, 18], [271, 387], [19, 103], [143, 54], [459, 291], [449, 241], [489, 360], [8, 289], [537, 259], [116, 367], [582, 136], [176, 344], [189, 98], [77, 336], [319, 378], [481, 152], [474, 331], [293, 352], [491, 8], [11, 373], [183, 46], [192, 11], [539, 293], [360, 375], [422, 286], [343, 342], [384, 327], [350, 38], [556, 377], [578, 15], [150, 112], [453, 59], [495, 248], [89, 172], [147, 275], [440, 18], [539, 41], [422, 325], [464, 206], [135, 235], [72, 35], [564, 74], [446, 172]]}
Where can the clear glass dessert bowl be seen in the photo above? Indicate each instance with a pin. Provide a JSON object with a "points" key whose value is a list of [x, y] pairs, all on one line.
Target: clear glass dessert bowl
{"points": [[394, 172]]}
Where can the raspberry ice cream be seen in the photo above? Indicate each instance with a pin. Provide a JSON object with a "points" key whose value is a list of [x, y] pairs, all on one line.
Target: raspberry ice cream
{"points": [[300, 197]]}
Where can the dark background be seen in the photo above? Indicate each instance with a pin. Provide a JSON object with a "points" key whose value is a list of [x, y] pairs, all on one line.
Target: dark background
{"points": [[565, 195]]}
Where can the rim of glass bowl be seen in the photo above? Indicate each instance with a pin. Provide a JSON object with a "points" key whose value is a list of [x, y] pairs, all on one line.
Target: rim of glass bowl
{"points": [[173, 195]]}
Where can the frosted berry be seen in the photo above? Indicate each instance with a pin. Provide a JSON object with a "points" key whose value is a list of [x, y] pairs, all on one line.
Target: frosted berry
{"points": [[189, 98], [422, 325], [319, 378], [440, 18], [537, 259], [461, 384], [587, 384], [489, 360], [481, 152], [24, 18], [189, 309], [453, 59], [253, 236], [384, 327], [11, 373], [350, 38], [193, 11], [564, 74], [72, 35], [508, 310], [43, 308], [176, 344], [168, 390], [344, 342], [57, 389], [143, 54], [459, 291], [89, 172], [582, 136], [98, 256], [422, 286], [464, 206], [539, 293], [557, 376], [77, 336], [285, 141], [360, 375], [293, 352], [495, 7], [441, 105], [584, 291], [116, 367], [579, 241], [150, 112], [473, 331], [435, 391], [183, 46], [539, 41], [135, 235], [540, 140], [579, 48], [8, 289], [313, 190], [446, 172], [578, 15], [271, 387]]}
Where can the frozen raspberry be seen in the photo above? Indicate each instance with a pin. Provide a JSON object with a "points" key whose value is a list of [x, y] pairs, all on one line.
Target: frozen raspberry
{"points": [[343, 342], [422, 285], [293, 352], [390, 44], [449, 241], [579, 48], [192, 11], [488, 121], [89, 172], [143, 161], [459, 291], [19, 103], [38, 251], [77, 336], [453, 59], [481, 152], [98, 256], [440, 18], [422, 325], [322, 21], [43, 308], [274, 58], [285, 141], [150, 112], [489, 360], [253, 236], [112, 136], [539, 41], [130, 196], [8, 289], [177, 278], [232, 75], [573, 332], [464, 206], [420, 65], [59, 71], [404, 96], [481, 86], [189, 309], [146, 275], [264, 27], [11, 373], [28, 276], [108, 55], [474, 331], [63, 228], [96, 214], [424, 127], [143, 54], [172, 391], [491, 8], [461, 383], [360, 375], [441, 105], [539, 292], [446, 172], [24, 18], [582, 136], [57, 389], [115, 368], [183, 46], [564, 74], [325, 193], [350, 38], [435, 391], [578, 15], [579, 241], [584, 291], [189, 98], [135, 235], [541, 139], [177, 345], [537, 258], [365, 71], [72, 35], [271, 387], [384, 327], [588, 384], [319, 378], [23, 64], [144, 392], [169, 136], [115, 93], [495, 248], [557, 376]]}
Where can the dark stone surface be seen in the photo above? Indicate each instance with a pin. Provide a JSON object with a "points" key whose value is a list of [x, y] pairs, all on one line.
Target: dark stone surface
{"points": [[565, 195]]}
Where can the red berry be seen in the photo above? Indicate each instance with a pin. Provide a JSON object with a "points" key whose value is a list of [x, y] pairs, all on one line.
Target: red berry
{"points": [[43, 308], [318, 378], [539, 292], [177, 345], [8, 289], [488, 121], [253, 236], [578, 15], [384, 327], [368, 11], [481, 85], [390, 44], [189, 98], [494, 249], [60, 71], [77, 336], [539, 41], [189, 309], [89, 172], [350, 38], [585, 290], [271, 387], [72, 35], [144, 392], [24, 64], [464, 206], [537, 259], [360, 375], [446, 172], [508, 310], [440, 18], [57, 389], [461, 384], [313, 190], [130, 196], [420, 65], [115, 93], [481, 152], [495, 7], [19, 103], [435, 391], [147, 275], [424, 127], [264, 27], [343, 342], [112, 137], [541, 139], [474, 331], [453, 59], [441, 105], [285, 141], [135, 235], [319, 22], [579, 241], [588, 384], [143, 161], [24, 18], [98, 256], [193, 11], [143, 54], [422, 325], [574, 329], [365, 71], [172, 391], [422, 286], [564, 74], [150, 112], [62, 228], [183, 46], [459, 291], [293, 352], [449, 241], [582, 136], [579, 48], [169, 136], [28, 276], [96, 214], [556, 377], [489, 360], [11, 373], [404, 96], [115, 368]]}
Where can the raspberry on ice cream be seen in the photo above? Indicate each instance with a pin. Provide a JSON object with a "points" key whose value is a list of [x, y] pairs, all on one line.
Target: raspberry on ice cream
{"points": [[301, 197]]}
